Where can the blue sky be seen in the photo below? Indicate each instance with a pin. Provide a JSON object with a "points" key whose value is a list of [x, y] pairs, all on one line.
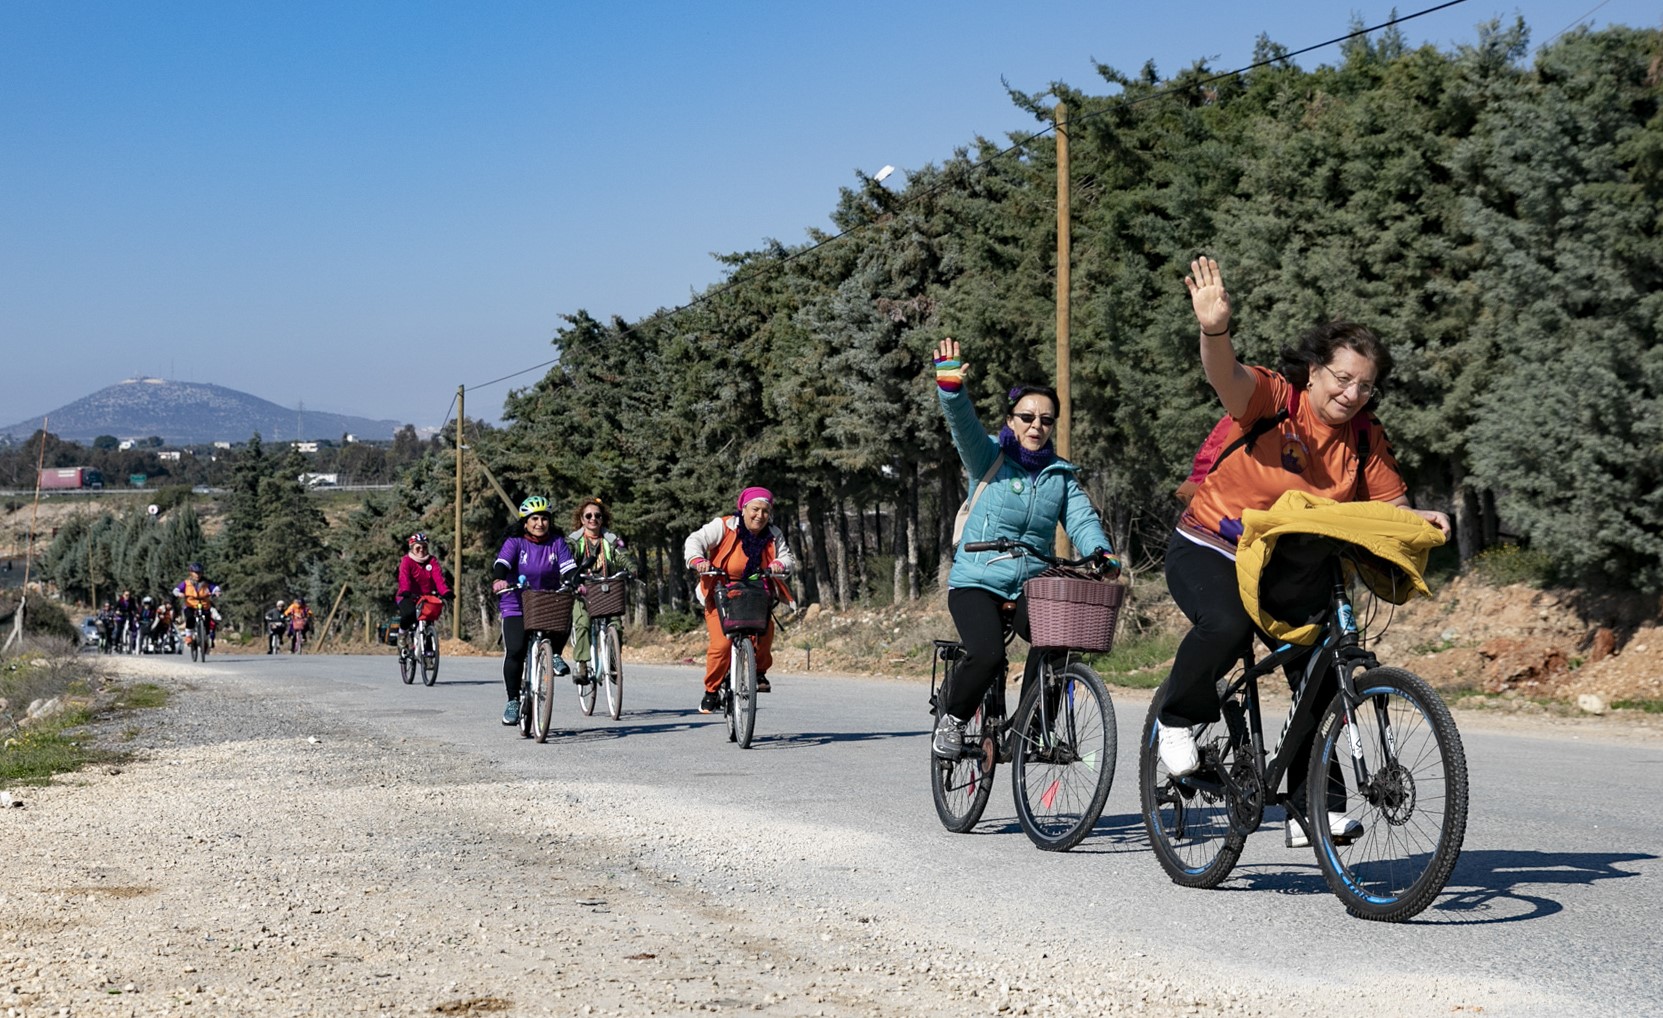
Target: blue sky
{"points": [[362, 205]]}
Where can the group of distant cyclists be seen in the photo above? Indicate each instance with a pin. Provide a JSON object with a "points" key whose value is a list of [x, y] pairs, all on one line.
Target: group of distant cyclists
{"points": [[169, 624]]}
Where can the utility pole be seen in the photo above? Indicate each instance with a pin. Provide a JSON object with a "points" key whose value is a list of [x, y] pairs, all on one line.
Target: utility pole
{"points": [[456, 547], [1065, 400]]}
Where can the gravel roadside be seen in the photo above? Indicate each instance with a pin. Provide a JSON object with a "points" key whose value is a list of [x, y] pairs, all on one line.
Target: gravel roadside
{"points": [[226, 870]]}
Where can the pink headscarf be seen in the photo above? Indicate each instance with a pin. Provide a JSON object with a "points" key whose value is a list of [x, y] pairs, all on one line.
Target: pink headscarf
{"points": [[752, 494]]}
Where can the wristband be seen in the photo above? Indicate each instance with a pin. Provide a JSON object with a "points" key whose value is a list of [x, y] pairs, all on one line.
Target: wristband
{"points": [[1215, 335]]}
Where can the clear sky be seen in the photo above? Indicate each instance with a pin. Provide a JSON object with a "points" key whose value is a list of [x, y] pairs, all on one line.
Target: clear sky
{"points": [[361, 205]]}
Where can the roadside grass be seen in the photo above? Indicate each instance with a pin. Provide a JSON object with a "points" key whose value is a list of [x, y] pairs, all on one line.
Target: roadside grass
{"points": [[1136, 660], [33, 750], [1648, 706]]}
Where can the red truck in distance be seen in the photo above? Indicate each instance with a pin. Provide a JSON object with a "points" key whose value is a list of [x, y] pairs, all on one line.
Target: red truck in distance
{"points": [[70, 477]]}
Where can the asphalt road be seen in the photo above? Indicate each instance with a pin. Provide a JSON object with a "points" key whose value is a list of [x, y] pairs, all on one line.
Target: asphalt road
{"points": [[1551, 910]]}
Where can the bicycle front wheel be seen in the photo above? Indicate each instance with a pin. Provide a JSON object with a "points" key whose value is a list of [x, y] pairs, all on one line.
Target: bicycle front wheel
{"points": [[430, 656], [960, 788], [588, 691], [1190, 827], [744, 692], [542, 688], [406, 660], [611, 670], [1063, 755], [1396, 766], [202, 638]]}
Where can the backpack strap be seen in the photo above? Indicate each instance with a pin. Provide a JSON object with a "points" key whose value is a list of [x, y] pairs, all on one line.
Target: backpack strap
{"points": [[987, 478], [1251, 435], [1361, 492]]}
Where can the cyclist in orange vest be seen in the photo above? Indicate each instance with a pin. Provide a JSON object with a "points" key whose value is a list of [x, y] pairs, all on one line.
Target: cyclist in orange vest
{"points": [[198, 595], [745, 546]]}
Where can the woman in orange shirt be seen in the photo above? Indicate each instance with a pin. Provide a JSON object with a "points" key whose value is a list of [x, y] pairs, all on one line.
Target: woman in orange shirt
{"points": [[1328, 384]]}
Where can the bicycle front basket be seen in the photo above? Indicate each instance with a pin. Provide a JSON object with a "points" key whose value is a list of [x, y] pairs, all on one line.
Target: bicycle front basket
{"points": [[605, 597], [547, 610], [1072, 612], [428, 608], [743, 606]]}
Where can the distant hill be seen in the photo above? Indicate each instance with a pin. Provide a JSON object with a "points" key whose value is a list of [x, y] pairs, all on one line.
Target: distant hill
{"points": [[191, 412]]}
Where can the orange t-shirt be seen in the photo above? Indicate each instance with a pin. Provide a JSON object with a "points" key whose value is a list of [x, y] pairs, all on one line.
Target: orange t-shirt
{"points": [[1302, 453]]}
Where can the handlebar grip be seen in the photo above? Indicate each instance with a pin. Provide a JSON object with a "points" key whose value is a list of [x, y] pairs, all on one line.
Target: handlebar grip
{"points": [[975, 546]]}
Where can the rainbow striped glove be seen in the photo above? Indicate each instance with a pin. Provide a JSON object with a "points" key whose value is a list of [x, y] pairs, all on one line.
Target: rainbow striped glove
{"points": [[949, 374]]}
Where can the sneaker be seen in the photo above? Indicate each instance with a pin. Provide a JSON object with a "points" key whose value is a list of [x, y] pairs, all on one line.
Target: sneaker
{"points": [[1344, 830], [712, 702], [580, 672], [560, 665], [949, 737], [580, 679], [511, 713], [762, 685], [1178, 753]]}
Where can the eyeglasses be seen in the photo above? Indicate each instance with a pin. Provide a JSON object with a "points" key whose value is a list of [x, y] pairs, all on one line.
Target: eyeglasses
{"points": [[1045, 420], [1364, 389], [591, 516]]}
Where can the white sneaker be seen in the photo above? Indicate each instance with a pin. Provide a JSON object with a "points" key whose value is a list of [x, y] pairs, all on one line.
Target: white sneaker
{"points": [[1178, 753], [1344, 830]]}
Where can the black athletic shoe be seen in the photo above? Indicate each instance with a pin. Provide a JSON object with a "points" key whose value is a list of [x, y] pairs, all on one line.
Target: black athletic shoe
{"points": [[711, 703], [762, 685]]}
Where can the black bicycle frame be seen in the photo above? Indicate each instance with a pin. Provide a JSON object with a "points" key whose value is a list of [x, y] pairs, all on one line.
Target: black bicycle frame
{"points": [[1337, 651]]}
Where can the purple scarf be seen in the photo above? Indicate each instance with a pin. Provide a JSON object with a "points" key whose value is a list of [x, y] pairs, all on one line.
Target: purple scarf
{"points": [[753, 545], [1033, 461]]}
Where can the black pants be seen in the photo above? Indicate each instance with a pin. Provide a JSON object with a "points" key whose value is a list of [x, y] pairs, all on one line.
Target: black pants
{"points": [[513, 651], [1203, 584], [976, 614]]}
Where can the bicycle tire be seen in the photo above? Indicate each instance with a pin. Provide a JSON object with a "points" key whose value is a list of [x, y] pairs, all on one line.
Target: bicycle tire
{"points": [[1412, 804], [1063, 757], [202, 638], [744, 693], [613, 671], [1190, 830], [429, 657], [406, 661], [528, 680], [542, 678], [960, 788], [587, 692]]}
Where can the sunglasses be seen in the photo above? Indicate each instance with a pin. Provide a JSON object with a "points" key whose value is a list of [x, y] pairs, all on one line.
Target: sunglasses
{"points": [[591, 516], [1045, 420]]}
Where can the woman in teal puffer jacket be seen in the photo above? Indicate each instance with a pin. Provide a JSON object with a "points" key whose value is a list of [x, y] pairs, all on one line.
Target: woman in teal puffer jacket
{"points": [[1024, 499]]}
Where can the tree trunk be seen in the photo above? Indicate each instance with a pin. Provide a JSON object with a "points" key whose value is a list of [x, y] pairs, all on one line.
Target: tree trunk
{"points": [[1468, 521], [809, 585], [951, 495], [861, 585], [842, 561], [911, 496], [822, 561]]}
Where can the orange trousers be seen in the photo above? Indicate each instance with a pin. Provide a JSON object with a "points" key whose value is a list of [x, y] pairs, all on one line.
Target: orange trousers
{"points": [[716, 655]]}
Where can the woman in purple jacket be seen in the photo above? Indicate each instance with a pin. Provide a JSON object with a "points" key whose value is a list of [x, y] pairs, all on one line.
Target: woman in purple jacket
{"points": [[537, 556]]}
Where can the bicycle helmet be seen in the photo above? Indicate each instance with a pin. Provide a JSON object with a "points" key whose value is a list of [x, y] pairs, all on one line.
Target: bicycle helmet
{"points": [[534, 504], [420, 538]]}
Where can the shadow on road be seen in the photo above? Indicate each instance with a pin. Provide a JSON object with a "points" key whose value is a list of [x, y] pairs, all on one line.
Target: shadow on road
{"points": [[802, 740], [1488, 886]]}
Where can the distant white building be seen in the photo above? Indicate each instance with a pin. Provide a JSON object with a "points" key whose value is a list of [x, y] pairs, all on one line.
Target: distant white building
{"points": [[320, 480], [304, 446], [126, 443], [171, 455], [222, 445]]}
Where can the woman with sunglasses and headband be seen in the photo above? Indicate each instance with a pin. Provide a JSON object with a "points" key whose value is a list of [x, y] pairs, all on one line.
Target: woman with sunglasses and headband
{"points": [[1028, 490], [598, 551], [1330, 444]]}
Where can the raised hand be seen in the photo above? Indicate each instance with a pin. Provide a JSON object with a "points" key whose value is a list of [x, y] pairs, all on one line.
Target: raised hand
{"points": [[1208, 296], [949, 366]]}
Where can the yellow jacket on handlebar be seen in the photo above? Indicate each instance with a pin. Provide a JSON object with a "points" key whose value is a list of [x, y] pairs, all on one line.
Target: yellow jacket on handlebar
{"points": [[1392, 545]]}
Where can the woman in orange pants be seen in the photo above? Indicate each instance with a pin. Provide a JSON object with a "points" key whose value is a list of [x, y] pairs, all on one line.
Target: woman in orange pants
{"points": [[744, 546]]}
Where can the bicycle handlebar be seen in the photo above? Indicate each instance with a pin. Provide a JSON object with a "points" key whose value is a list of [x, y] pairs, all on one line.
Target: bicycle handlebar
{"points": [[1009, 548]]}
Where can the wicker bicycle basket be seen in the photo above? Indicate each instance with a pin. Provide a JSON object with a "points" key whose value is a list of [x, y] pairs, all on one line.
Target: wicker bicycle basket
{"points": [[547, 611], [743, 606], [1073, 612], [605, 597]]}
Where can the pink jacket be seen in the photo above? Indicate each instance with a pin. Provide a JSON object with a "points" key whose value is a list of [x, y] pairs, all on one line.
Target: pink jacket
{"points": [[421, 578]]}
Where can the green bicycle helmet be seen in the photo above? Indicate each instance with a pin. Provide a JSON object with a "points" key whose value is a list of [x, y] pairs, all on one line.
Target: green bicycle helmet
{"points": [[534, 504]]}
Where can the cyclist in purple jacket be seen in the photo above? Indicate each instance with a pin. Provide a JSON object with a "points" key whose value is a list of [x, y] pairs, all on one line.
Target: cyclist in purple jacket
{"points": [[538, 557]]}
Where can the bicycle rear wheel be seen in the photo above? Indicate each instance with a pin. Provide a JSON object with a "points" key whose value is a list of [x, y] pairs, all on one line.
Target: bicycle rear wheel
{"points": [[611, 670], [743, 693], [1408, 788], [1063, 755], [430, 656], [542, 688], [960, 788], [1190, 828]]}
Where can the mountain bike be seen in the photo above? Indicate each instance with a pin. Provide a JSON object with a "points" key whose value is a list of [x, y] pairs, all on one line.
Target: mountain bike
{"points": [[1061, 743], [605, 598], [744, 607], [544, 612], [1385, 755], [418, 649], [198, 637]]}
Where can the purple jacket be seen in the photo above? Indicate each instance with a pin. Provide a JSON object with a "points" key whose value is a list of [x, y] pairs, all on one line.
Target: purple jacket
{"points": [[544, 566]]}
